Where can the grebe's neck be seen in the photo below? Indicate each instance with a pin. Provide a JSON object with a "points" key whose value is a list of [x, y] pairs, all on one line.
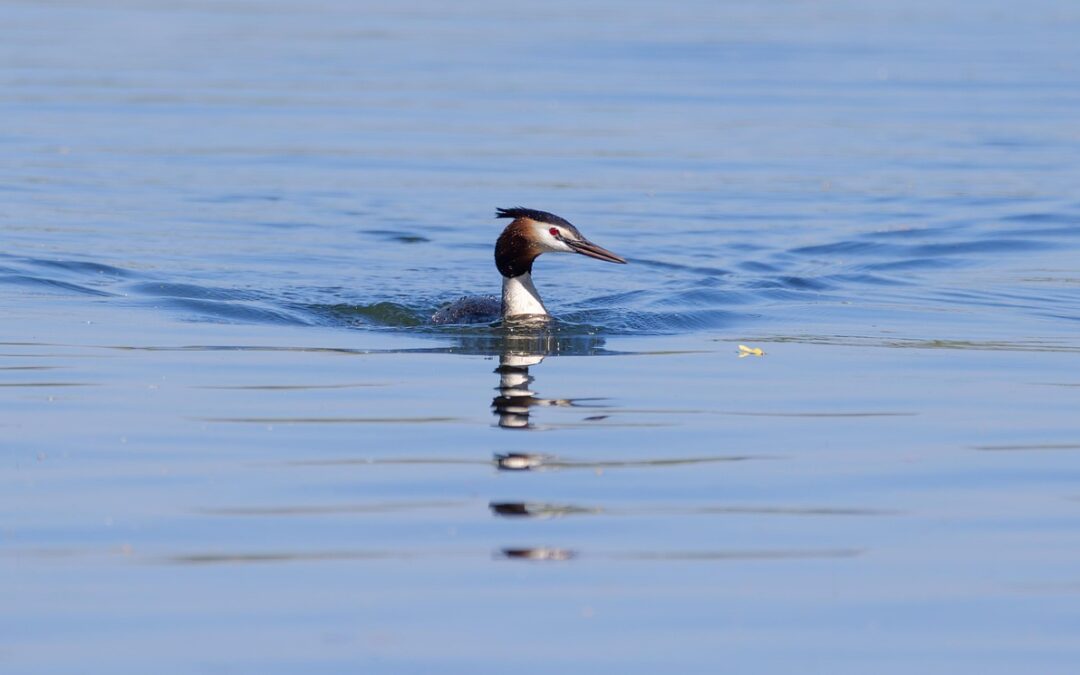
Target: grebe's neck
{"points": [[519, 297]]}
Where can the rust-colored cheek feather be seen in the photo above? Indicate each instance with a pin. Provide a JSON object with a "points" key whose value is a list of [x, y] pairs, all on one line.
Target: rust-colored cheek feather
{"points": [[515, 251]]}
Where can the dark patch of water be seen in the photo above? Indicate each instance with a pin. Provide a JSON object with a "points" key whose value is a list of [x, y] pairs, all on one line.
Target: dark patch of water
{"points": [[49, 285]]}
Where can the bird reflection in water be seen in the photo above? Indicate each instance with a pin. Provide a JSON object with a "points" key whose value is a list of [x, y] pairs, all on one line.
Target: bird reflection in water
{"points": [[515, 400], [513, 406], [537, 553], [521, 461]]}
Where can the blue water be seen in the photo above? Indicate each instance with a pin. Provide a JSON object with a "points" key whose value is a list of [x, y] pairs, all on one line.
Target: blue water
{"points": [[231, 439]]}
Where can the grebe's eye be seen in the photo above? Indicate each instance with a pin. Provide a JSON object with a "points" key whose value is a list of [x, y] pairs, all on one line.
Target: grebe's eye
{"points": [[554, 232]]}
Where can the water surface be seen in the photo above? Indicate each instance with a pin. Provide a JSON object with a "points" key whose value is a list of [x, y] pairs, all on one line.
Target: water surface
{"points": [[233, 442]]}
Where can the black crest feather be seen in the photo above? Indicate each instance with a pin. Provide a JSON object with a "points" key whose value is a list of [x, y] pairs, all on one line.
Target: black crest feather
{"points": [[532, 214]]}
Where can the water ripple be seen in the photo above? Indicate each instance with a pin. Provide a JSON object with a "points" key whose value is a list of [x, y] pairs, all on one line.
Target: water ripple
{"points": [[52, 285], [931, 266]]}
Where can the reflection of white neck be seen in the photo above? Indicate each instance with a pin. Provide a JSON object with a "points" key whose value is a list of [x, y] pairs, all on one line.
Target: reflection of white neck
{"points": [[519, 296], [522, 360], [515, 383]]}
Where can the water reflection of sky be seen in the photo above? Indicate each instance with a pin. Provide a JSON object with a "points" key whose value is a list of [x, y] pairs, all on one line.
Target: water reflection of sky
{"points": [[231, 441]]}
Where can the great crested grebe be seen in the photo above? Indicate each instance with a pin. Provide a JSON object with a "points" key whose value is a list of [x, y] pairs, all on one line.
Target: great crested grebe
{"points": [[529, 234]]}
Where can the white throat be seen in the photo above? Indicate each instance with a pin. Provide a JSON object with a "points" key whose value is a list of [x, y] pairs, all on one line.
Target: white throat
{"points": [[519, 297]]}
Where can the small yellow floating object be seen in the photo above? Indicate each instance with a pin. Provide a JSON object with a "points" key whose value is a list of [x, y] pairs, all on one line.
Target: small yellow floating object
{"points": [[745, 351]]}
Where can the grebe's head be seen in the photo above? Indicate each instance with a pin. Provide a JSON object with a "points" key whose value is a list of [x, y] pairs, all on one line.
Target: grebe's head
{"points": [[534, 232]]}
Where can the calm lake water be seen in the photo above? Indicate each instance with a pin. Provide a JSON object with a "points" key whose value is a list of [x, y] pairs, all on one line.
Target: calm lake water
{"points": [[232, 442]]}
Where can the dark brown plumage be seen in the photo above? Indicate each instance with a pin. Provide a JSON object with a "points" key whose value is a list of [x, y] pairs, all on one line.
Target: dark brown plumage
{"points": [[532, 214], [516, 250]]}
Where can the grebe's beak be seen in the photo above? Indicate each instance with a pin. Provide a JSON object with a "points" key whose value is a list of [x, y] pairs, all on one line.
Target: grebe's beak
{"points": [[586, 247]]}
